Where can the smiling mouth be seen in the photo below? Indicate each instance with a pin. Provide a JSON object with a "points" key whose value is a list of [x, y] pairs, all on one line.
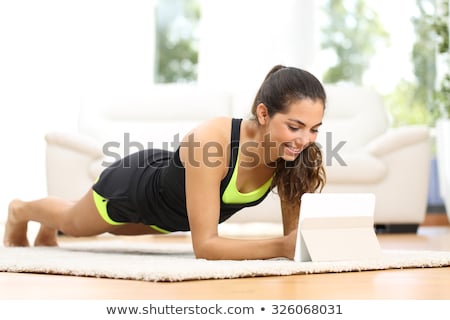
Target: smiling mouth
{"points": [[292, 149]]}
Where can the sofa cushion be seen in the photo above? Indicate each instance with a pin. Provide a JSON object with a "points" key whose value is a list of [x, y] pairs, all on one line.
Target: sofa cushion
{"points": [[354, 116], [358, 168]]}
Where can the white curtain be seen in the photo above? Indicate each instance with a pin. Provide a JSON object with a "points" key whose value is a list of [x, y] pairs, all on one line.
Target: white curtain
{"points": [[241, 40]]}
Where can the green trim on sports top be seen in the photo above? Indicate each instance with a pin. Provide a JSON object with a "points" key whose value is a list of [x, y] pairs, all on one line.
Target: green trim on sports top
{"points": [[232, 194]]}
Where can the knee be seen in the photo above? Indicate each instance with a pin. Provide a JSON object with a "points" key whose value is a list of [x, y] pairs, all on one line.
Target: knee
{"points": [[72, 228]]}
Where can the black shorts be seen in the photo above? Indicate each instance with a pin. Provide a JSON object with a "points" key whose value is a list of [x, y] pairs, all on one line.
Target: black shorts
{"points": [[118, 184]]}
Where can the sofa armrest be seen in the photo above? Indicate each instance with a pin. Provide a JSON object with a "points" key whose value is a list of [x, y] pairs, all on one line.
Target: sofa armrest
{"points": [[398, 138], [69, 159], [75, 142], [357, 168]]}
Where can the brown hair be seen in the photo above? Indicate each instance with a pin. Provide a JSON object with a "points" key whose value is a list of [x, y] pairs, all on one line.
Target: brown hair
{"points": [[282, 86]]}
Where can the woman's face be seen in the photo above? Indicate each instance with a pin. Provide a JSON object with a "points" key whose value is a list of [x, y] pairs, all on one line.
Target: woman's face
{"points": [[292, 132]]}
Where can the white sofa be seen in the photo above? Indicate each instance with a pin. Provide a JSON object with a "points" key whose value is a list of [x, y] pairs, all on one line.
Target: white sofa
{"points": [[361, 152]]}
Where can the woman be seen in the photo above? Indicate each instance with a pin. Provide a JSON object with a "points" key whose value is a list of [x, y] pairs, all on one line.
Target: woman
{"points": [[220, 167]]}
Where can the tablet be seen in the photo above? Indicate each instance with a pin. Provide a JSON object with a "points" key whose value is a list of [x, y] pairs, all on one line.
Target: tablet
{"points": [[336, 226]]}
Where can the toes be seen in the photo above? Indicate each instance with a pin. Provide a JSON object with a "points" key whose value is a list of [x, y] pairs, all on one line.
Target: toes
{"points": [[46, 237], [15, 231], [45, 242], [16, 243]]}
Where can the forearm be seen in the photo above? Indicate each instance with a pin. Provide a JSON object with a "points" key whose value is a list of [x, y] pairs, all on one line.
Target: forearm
{"points": [[219, 248], [290, 213]]}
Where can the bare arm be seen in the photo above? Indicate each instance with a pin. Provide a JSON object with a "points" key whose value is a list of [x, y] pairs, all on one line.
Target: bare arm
{"points": [[203, 205], [203, 210], [290, 213]]}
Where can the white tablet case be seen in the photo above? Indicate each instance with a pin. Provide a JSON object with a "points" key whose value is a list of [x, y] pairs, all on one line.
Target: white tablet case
{"points": [[336, 226]]}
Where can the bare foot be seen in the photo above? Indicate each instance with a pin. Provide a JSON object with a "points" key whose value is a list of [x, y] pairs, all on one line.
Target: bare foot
{"points": [[15, 229], [46, 237]]}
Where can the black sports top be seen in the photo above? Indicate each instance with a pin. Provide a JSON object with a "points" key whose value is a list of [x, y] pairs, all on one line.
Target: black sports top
{"points": [[154, 187]]}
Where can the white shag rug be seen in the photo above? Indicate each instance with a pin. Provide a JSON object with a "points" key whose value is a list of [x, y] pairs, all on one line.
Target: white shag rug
{"points": [[176, 262]]}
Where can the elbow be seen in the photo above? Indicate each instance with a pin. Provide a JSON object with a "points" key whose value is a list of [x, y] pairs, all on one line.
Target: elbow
{"points": [[206, 250], [202, 253]]}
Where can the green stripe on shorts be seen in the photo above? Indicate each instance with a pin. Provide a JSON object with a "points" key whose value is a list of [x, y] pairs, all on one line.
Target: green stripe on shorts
{"points": [[101, 203], [158, 229]]}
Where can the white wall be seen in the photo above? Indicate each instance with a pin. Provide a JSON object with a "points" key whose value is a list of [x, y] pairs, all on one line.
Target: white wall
{"points": [[52, 54]]}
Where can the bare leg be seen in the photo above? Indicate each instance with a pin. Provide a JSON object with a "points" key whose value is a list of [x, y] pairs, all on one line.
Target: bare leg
{"points": [[75, 219], [46, 237], [134, 229]]}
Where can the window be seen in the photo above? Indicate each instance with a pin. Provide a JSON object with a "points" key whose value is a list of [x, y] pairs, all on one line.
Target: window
{"points": [[176, 57], [386, 45]]}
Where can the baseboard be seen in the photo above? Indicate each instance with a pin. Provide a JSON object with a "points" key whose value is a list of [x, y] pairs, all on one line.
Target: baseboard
{"points": [[431, 219], [438, 208], [396, 228]]}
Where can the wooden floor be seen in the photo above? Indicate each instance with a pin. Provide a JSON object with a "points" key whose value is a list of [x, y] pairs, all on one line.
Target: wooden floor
{"points": [[423, 284]]}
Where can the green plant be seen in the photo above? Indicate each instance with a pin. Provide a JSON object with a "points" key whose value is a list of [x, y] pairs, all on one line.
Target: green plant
{"points": [[353, 32], [413, 100], [441, 107], [425, 98], [404, 107], [176, 41]]}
